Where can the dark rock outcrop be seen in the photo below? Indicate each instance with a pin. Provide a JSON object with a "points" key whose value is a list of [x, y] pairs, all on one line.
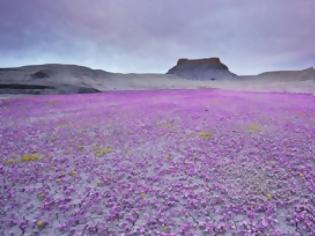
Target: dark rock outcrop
{"points": [[25, 89], [24, 86], [88, 90], [41, 89], [41, 74], [202, 69]]}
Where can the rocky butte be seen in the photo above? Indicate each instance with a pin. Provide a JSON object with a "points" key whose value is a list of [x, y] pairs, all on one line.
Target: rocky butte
{"points": [[202, 69]]}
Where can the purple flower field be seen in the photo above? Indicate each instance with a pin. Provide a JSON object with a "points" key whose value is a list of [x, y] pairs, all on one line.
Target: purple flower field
{"points": [[169, 162]]}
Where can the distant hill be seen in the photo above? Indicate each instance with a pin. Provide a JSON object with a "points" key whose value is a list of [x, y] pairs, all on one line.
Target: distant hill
{"points": [[67, 79], [202, 73], [285, 76], [50, 78]]}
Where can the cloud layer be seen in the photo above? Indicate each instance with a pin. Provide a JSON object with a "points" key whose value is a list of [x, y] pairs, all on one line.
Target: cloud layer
{"points": [[251, 36]]}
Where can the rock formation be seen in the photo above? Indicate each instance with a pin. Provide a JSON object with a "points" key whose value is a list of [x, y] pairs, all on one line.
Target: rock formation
{"points": [[202, 69]]}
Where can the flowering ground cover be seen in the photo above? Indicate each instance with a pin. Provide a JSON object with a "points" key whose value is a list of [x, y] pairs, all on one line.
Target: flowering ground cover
{"points": [[173, 162]]}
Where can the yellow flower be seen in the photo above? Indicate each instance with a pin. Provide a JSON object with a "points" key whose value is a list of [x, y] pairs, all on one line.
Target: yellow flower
{"points": [[205, 135], [10, 162], [73, 173], [100, 152], [269, 196], [30, 157], [169, 157], [165, 229], [255, 128], [41, 224], [67, 151]]}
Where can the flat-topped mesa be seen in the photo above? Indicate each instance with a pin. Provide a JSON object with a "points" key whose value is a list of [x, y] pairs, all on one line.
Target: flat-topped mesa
{"points": [[213, 62], [202, 69]]}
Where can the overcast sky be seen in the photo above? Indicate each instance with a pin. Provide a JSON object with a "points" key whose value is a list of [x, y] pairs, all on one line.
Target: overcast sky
{"points": [[250, 36]]}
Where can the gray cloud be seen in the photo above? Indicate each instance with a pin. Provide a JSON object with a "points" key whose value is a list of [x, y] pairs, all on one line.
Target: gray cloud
{"points": [[250, 36]]}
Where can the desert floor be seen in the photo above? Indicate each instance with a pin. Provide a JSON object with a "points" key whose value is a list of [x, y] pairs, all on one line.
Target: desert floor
{"points": [[167, 162]]}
